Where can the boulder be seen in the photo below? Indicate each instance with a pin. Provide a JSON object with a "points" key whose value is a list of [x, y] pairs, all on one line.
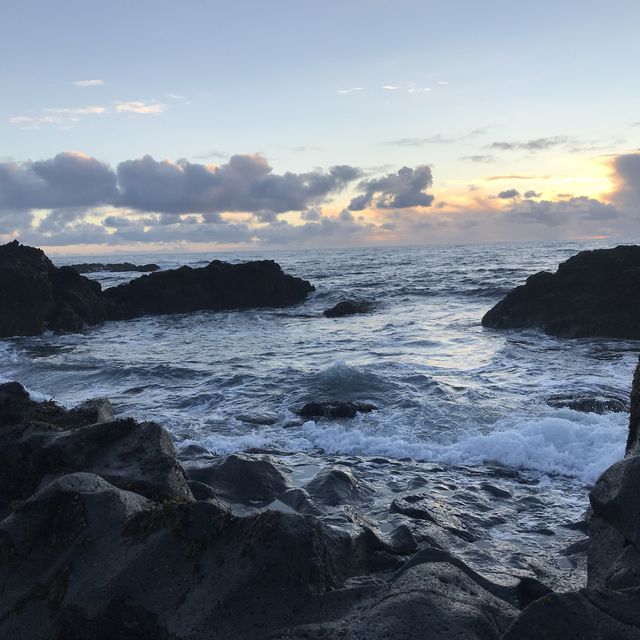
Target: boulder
{"points": [[594, 293], [40, 441], [336, 486], [239, 478], [113, 267], [348, 308], [216, 287], [36, 296], [333, 409]]}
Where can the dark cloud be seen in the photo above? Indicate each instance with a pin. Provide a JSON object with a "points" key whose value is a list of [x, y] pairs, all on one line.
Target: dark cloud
{"points": [[479, 158], [532, 194], [400, 190], [67, 180], [627, 168], [550, 213], [508, 194], [518, 177], [537, 144]]}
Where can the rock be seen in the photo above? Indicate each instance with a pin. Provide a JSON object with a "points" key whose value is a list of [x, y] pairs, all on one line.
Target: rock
{"points": [[218, 286], [239, 478], [37, 296], [113, 267], [496, 492], [588, 403], [258, 419], [335, 486], [633, 439], [333, 409], [528, 590], [408, 508], [39, 441], [594, 293], [348, 308]]}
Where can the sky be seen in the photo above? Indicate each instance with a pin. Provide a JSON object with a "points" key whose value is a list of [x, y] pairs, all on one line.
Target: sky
{"points": [[202, 125]]}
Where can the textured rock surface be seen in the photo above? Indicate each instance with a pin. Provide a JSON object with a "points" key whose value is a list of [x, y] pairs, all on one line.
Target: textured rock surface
{"points": [[114, 267], [332, 409], [348, 308], [594, 293]]}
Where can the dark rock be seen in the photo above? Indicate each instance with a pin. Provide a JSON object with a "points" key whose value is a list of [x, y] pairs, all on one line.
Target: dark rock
{"points": [[578, 547], [216, 287], [348, 308], [39, 441], [239, 478], [333, 409], [36, 296], [633, 439], [594, 293], [407, 508], [113, 267], [335, 486], [496, 492], [258, 419], [588, 403], [528, 590], [201, 491], [300, 501]]}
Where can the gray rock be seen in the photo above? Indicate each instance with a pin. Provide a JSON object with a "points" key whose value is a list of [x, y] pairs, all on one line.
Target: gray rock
{"points": [[333, 409], [589, 403], [336, 486], [348, 308]]}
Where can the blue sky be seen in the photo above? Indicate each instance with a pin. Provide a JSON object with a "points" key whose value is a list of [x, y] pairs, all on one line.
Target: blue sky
{"points": [[543, 94]]}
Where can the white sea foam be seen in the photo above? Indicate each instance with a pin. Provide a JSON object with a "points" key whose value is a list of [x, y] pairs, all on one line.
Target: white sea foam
{"points": [[564, 442]]}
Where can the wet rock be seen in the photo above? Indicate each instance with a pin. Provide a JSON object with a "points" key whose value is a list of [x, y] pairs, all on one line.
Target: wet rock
{"points": [[594, 293], [113, 267], [588, 403], [335, 486], [348, 308], [633, 439], [239, 478], [216, 287], [407, 507], [201, 491], [258, 419], [333, 409], [300, 501], [39, 441], [528, 590], [496, 492], [37, 296]]}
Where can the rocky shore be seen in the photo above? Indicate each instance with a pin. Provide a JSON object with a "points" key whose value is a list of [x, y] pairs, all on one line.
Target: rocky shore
{"points": [[37, 296], [114, 267], [592, 294], [108, 532]]}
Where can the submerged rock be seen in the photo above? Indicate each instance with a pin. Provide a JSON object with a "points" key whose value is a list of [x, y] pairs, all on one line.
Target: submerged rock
{"points": [[594, 293], [348, 308], [588, 403], [113, 267], [332, 409]]}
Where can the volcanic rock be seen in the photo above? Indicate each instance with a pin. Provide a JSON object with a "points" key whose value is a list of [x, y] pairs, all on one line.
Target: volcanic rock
{"points": [[333, 409], [113, 267], [594, 293], [588, 403], [348, 308]]}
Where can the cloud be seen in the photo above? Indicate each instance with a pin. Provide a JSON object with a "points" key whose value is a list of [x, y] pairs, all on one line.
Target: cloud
{"points": [[351, 90], [59, 116], [508, 194], [550, 213], [245, 184], [627, 169], [89, 83], [531, 194], [390, 87], [537, 144], [479, 158], [69, 179], [396, 190], [419, 142], [141, 108], [518, 177]]}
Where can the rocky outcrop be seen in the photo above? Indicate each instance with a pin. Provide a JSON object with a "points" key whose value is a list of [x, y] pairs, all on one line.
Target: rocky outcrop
{"points": [[348, 308], [332, 409], [114, 267], [36, 296], [610, 605], [217, 286], [594, 293], [588, 403]]}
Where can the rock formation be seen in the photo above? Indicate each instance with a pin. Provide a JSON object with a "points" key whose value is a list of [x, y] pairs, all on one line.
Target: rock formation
{"points": [[113, 267], [594, 293], [348, 308]]}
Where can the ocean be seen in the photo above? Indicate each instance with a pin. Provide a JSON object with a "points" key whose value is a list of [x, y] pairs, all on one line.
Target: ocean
{"points": [[449, 392]]}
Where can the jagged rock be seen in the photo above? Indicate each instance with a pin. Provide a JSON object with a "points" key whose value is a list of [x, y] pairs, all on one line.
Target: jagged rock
{"points": [[496, 492], [588, 403], [217, 286], [39, 441], [240, 478], [335, 486], [633, 439], [113, 267], [348, 308], [37, 296], [333, 409], [594, 293]]}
